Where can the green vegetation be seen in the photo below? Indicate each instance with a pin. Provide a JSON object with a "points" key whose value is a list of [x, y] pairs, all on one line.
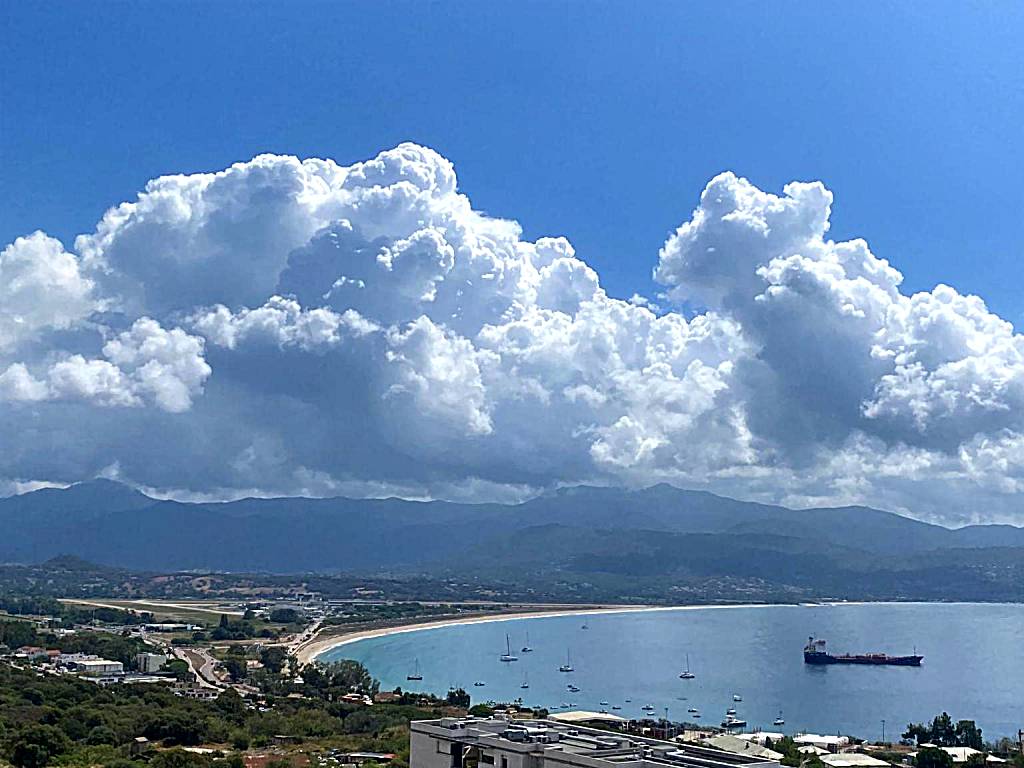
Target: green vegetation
{"points": [[285, 616], [15, 634], [944, 733], [66, 721], [933, 757], [791, 755], [34, 605], [396, 611]]}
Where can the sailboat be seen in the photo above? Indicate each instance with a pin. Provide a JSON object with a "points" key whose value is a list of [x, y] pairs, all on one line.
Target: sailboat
{"points": [[686, 673], [567, 667], [526, 648], [415, 674], [526, 681], [780, 720], [507, 655]]}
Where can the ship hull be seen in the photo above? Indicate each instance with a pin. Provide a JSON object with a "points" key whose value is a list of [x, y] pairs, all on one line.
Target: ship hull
{"points": [[822, 659]]}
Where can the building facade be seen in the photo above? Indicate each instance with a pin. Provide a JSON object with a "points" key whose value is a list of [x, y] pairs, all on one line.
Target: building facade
{"points": [[502, 743]]}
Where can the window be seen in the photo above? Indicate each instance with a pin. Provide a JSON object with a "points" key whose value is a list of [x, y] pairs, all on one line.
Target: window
{"points": [[485, 758]]}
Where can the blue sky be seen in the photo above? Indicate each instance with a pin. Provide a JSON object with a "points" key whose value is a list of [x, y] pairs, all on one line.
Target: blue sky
{"points": [[599, 121], [364, 327]]}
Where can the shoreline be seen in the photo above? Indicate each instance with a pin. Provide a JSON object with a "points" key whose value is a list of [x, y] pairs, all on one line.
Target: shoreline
{"points": [[315, 647]]}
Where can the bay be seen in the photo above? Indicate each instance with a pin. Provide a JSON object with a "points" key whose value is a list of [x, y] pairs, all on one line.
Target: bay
{"points": [[973, 664]]}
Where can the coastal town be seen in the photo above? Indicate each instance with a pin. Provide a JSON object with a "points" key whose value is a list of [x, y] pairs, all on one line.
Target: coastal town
{"points": [[511, 384], [256, 663]]}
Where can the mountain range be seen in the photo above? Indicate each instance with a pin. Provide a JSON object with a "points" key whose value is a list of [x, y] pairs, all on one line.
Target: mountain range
{"points": [[653, 542]]}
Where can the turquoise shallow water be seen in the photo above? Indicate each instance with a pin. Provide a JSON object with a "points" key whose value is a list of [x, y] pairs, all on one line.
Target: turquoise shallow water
{"points": [[973, 665]]}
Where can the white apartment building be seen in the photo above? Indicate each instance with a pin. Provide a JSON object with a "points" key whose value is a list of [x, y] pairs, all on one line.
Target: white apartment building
{"points": [[502, 743], [148, 663]]}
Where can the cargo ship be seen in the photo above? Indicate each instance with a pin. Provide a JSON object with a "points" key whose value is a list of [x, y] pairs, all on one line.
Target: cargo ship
{"points": [[815, 653]]}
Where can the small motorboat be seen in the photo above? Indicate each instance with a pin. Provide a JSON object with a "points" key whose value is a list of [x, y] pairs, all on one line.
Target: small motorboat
{"points": [[780, 720], [691, 710], [479, 683], [737, 697], [730, 711], [616, 707]]}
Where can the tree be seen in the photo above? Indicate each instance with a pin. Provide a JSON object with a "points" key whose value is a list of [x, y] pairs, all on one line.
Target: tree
{"points": [[223, 621], [917, 732], [790, 753], [273, 658], [968, 734], [457, 697], [230, 703], [933, 757], [37, 745], [178, 727], [240, 740], [178, 668], [235, 667], [101, 734], [349, 675], [178, 758], [943, 732], [15, 634]]}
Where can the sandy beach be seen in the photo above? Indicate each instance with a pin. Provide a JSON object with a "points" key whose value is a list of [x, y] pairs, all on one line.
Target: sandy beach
{"points": [[317, 645]]}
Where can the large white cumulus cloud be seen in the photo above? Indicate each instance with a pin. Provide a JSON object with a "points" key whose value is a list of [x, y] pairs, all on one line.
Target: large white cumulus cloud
{"points": [[288, 326]]}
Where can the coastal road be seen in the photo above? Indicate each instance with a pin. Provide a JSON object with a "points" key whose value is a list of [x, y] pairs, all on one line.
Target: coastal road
{"points": [[201, 664]]}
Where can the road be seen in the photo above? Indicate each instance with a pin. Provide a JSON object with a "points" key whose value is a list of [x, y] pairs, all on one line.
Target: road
{"points": [[201, 664]]}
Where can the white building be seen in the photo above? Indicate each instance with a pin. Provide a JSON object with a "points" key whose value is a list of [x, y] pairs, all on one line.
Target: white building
{"points": [[962, 754], [96, 667], [148, 663], [452, 742], [736, 745], [196, 692], [828, 743], [853, 760]]}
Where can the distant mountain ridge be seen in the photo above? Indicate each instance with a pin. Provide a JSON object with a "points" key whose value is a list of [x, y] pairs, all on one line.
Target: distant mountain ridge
{"points": [[607, 535]]}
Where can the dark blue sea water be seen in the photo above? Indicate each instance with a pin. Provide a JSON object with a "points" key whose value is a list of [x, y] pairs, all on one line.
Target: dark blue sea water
{"points": [[973, 664]]}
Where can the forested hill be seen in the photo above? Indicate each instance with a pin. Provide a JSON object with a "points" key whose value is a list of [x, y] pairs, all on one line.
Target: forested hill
{"points": [[612, 536]]}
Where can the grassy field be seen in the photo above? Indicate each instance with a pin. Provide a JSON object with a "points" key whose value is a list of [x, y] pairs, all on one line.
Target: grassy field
{"points": [[188, 611]]}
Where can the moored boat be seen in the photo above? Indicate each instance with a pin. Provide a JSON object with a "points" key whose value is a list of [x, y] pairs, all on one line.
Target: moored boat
{"points": [[815, 653], [415, 674]]}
